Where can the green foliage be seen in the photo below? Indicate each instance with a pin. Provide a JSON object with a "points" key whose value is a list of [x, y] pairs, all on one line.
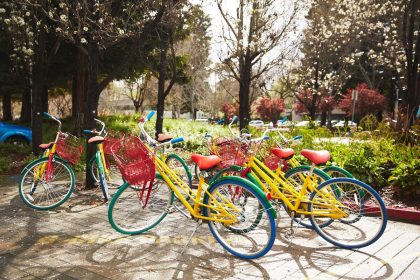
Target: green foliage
{"points": [[406, 174], [369, 122]]}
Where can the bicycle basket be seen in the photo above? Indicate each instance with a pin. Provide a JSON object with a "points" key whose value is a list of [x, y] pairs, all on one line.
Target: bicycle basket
{"points": [[108, 142], [69, 147], [134, 160], [232, 153]]}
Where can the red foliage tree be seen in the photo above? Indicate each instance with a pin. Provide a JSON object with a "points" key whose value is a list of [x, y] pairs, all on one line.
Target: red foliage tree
{"points": [[306, 104], [230, 109], [269, 108], [368, 101]]}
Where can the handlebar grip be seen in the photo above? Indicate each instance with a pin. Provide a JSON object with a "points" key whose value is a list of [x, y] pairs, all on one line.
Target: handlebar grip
{"points": [[177, 140], [297, 137], [234, 119], [150, 115], [266, 137], [87, 131], [45, 114], [284, 120]]}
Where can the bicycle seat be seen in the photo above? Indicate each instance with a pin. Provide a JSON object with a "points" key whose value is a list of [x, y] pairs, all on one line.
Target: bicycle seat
{"points": [[46, 146], [286, 153], [96, 139], [205, 162], [317, 157], [162, 137]]}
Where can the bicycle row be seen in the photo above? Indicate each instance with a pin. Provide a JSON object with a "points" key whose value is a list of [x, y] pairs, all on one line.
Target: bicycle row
{"points": [[238, 194]]}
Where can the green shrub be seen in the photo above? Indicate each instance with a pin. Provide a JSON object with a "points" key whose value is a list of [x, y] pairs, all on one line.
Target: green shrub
{"points": [[406, 174]]}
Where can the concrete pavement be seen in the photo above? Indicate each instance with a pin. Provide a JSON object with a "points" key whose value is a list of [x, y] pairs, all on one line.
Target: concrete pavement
{"points": [[76, 242]]}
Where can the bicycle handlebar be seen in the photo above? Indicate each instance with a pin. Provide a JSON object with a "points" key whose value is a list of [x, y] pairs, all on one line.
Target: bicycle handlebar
{"points": [[49, 116], [150, 115], [149, 139], [177, 140]]}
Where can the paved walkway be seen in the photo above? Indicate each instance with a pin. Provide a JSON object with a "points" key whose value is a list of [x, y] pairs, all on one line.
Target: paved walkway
{"points": [[77, 242]]}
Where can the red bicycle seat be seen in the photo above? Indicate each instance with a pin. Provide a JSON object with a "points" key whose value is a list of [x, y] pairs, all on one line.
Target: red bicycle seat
{"points": [[283, 153], [205, 162], [317, 157], [95, 139], [46, 146]]}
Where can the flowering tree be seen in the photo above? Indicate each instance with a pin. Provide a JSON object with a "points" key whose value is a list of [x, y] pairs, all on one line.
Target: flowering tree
{"points": [[376, 37], [258, 35], [312, 103], [230, 109], [269, 108], [368, 101]]}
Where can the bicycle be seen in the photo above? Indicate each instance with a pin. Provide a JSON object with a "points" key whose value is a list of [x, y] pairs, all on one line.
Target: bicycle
{"points": [[53, 171], [335, 207], [111, 171], [246, 230], [48, 181]]}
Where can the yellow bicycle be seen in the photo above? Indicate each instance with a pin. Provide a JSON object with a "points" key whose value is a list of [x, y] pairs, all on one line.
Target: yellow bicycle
{"points": [[239, 215]]}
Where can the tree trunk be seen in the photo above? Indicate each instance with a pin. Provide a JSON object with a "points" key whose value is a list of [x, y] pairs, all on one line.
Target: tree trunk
{"points": [[92, 100], [45, 98], [25, 111], [323, 117], [244, 90], [39, 79], [161, 87], [7, 107], [80, 91]]}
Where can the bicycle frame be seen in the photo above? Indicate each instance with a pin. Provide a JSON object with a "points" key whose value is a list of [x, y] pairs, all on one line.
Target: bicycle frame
{"points": [[180, 188], [280, 188]]}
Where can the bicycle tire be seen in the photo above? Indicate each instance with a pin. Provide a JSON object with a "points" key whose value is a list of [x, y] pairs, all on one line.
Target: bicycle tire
{"points": [[370, 210], [127, 216], [337, 172], [102, 178], [61, 191], [116, 179], [257, 239]]}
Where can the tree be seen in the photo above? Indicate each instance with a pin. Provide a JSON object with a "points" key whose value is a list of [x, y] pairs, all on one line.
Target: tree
{"points": [[138, 90], [258, 38], [311, 103], [33, 49], [381, 37], [368, 102], [230, 109], [269, 108], [196, 47]]}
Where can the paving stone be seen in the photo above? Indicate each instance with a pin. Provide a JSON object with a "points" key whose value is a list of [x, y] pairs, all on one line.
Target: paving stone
{"points": [[76, 242]]}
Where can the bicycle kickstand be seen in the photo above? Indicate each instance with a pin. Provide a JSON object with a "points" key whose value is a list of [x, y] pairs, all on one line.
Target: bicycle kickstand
{"points": [[290, 233], [199, 223]]}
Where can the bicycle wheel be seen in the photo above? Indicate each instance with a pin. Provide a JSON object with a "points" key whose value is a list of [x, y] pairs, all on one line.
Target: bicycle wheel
{"points": [[178, 165], [232, 170], [115, 176], [356, 199], [253, 233], [127, 214], [103, 182], [50, 189], [296, 177], [337, 172]]}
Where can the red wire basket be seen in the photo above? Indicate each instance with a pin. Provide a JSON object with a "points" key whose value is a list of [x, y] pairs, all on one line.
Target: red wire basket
{"points": [[108, 142], [271, 161], [232, 153], [136, 165], [69, 147], [134, 160]]}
